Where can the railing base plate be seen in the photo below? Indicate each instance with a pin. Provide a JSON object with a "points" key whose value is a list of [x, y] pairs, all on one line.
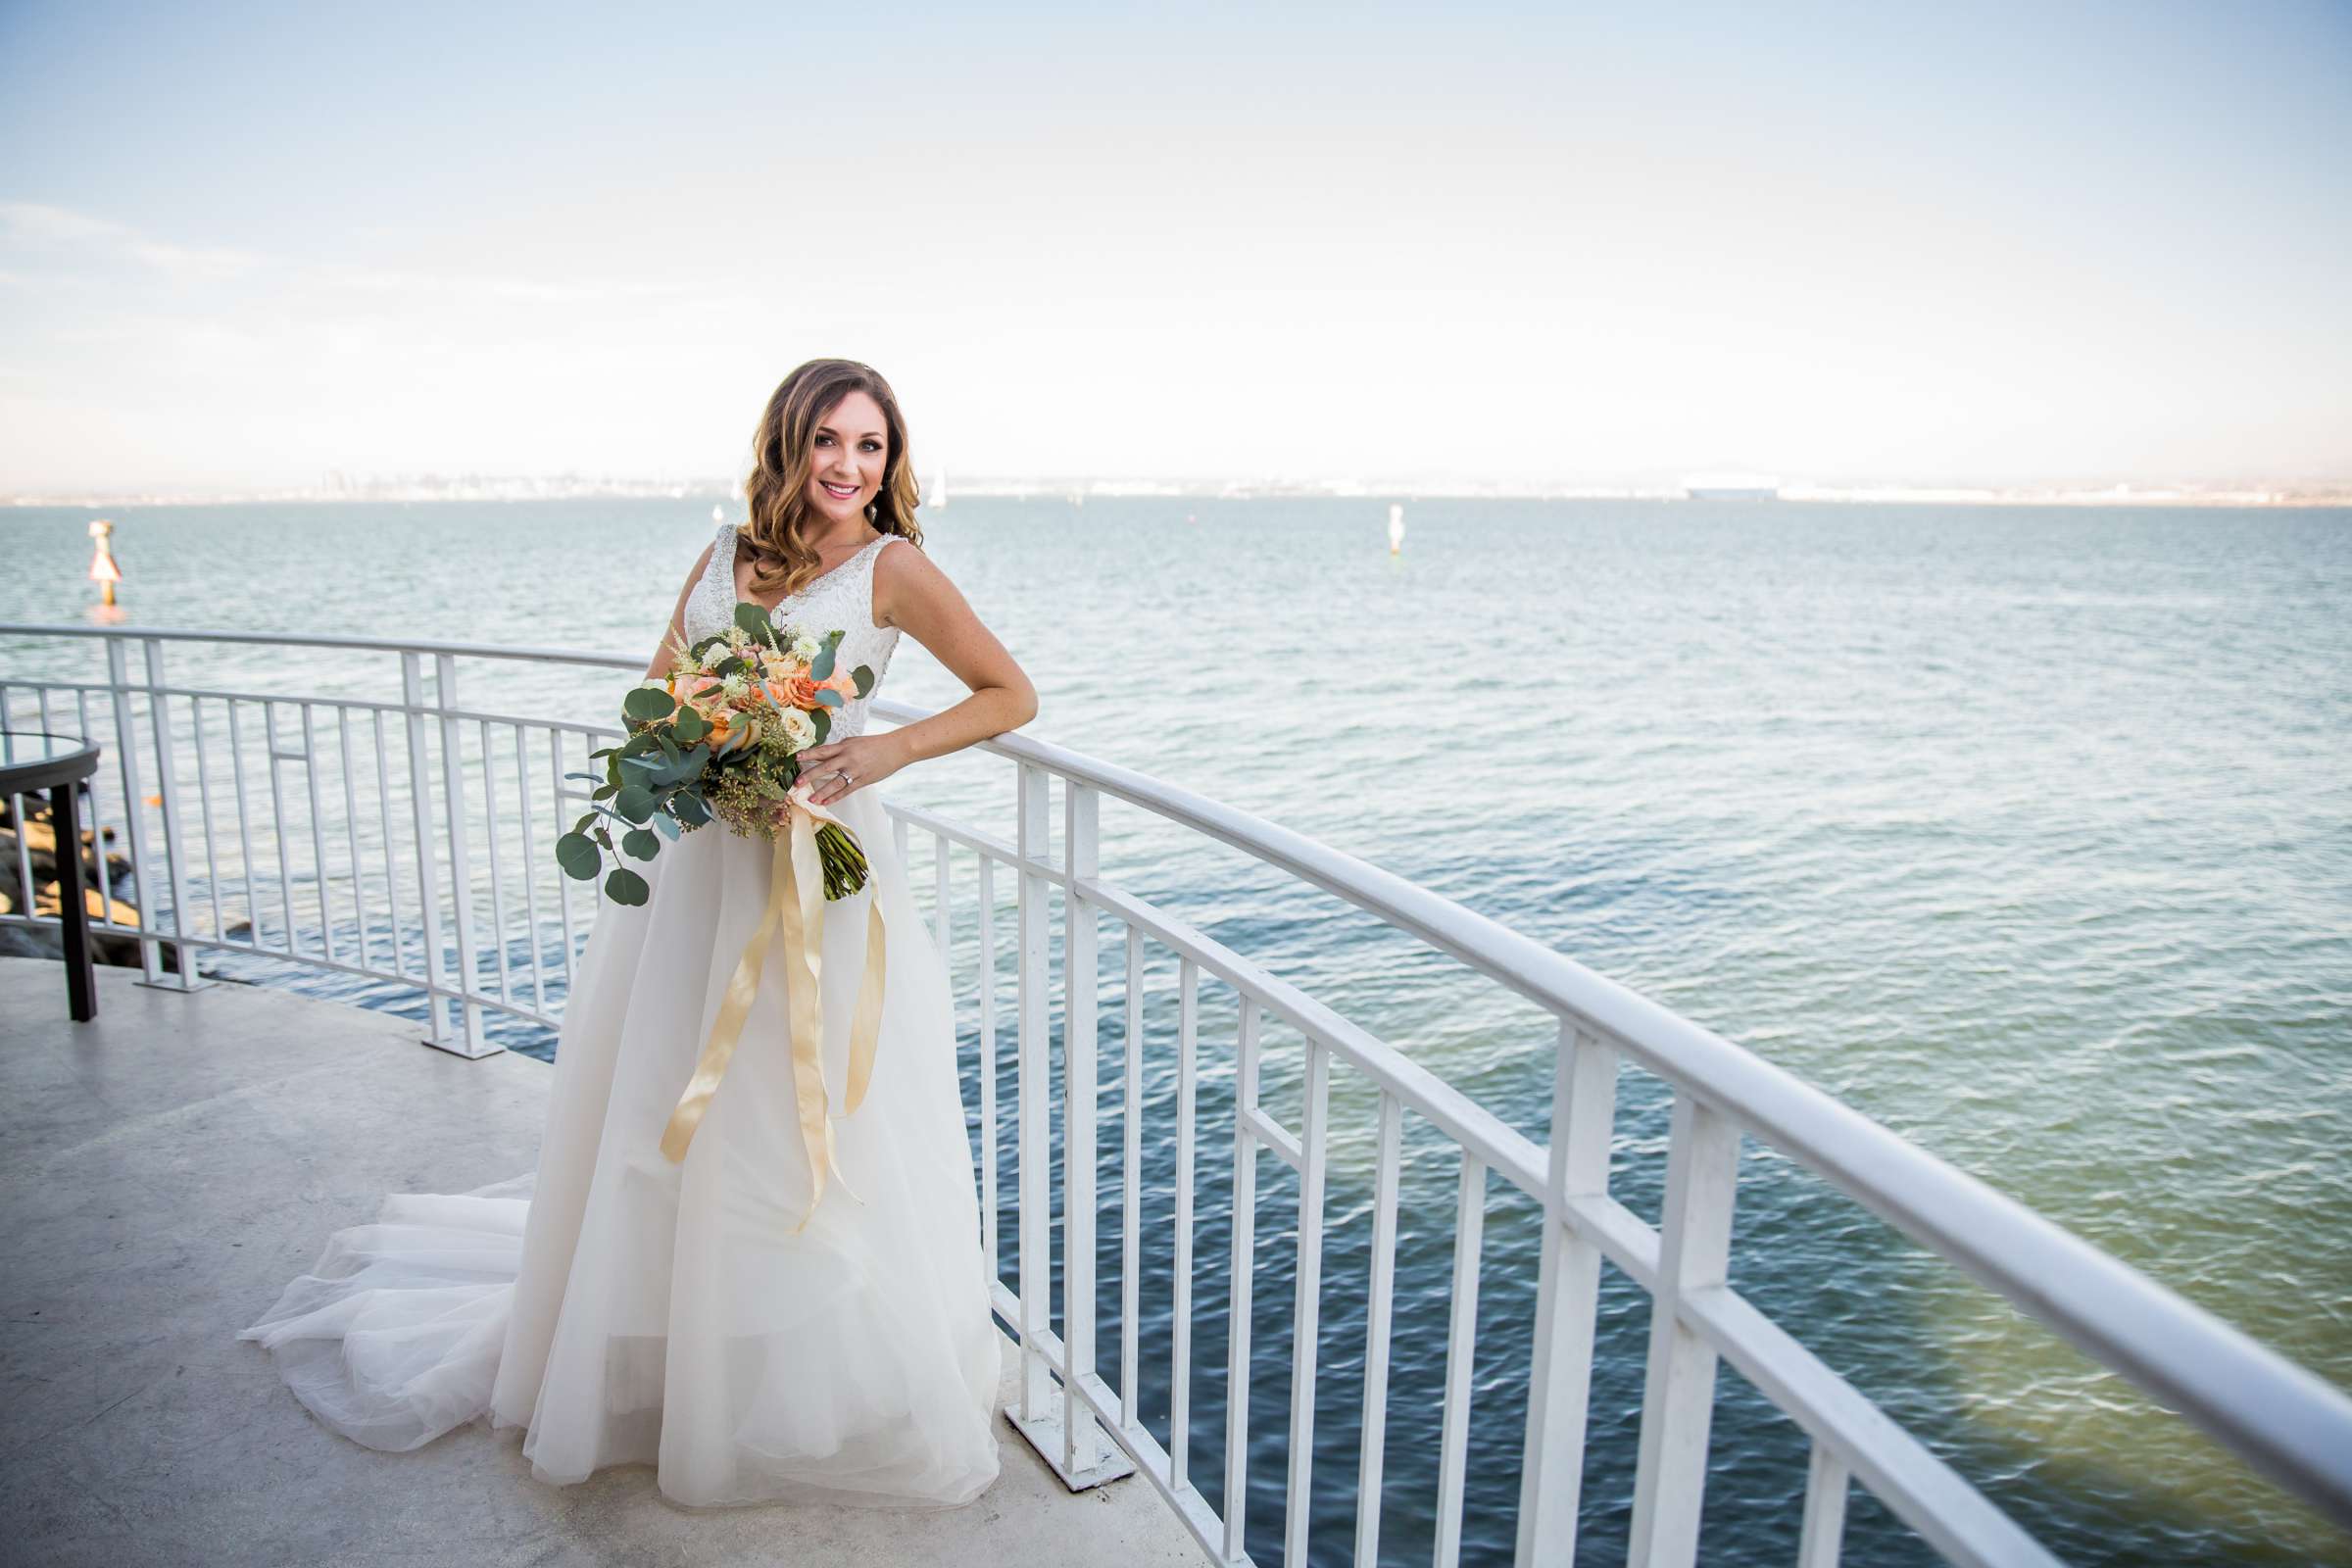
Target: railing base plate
{"points": [[173, 982], [458, 1049], [1044, 1435]]}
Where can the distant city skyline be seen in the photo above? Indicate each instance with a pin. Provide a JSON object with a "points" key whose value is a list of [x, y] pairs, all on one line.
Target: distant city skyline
{"points": [[1997, 247], [726, 494]]}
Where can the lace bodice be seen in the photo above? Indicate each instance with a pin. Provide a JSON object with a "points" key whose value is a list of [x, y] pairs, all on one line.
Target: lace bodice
{"points": [[842, 600]]}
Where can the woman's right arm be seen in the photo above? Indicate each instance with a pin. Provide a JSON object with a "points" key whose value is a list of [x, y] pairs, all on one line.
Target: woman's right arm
{"points": [[675, 632]]}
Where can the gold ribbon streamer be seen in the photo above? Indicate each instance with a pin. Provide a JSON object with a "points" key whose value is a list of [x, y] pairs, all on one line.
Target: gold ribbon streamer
{"points": [[796, 902]]}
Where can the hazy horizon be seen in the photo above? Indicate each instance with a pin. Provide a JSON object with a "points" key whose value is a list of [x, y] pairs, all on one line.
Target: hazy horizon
{"points": [[2020, 246]]}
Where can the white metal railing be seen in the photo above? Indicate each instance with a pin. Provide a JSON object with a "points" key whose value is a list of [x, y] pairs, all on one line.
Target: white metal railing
{"points": [[2286, 1423]]}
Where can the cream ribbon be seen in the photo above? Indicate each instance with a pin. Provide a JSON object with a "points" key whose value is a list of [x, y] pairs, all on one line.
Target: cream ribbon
{"points": [[796, 900]]}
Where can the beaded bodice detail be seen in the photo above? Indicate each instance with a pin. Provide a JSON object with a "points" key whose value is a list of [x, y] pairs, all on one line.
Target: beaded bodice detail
{"points": [[841, 600]]}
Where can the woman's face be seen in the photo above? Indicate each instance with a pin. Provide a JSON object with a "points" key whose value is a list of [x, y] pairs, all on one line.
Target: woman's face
{"points": [[849, 451]]}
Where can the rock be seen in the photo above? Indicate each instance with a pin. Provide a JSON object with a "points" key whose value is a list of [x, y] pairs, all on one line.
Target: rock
{"points": [[40, 851]]}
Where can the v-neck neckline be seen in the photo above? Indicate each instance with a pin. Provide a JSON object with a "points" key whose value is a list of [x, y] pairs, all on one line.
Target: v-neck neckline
{"points": [[848, 561]]}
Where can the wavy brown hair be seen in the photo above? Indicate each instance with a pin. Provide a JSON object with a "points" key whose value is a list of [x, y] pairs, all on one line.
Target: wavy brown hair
{"points": [[783, 455]]}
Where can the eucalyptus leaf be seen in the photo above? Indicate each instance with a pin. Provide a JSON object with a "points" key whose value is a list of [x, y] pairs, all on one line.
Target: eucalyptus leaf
{"points": [[691, 725], [751, 618], [863, 677], [626, 886], [670, 824], [823, 722], [829, 698], [821, 667], [593, 778], [691, 811], [689, 765], [603, 836], [635, 802], [586, 817], [648, 703], [578, 856], [640, 843]]}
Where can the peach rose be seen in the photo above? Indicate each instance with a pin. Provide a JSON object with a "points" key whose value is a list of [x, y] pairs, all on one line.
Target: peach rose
{"points": [[795, 691]]}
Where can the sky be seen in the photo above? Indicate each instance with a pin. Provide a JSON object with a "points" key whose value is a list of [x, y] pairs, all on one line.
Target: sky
{"points": [[243, 247]]}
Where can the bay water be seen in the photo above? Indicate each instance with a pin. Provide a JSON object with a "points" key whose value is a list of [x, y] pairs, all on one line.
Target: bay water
{"points": [[2026, 831]]}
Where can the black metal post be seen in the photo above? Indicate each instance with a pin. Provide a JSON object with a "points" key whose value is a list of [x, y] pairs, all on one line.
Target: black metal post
{"points": [[73, 909]]}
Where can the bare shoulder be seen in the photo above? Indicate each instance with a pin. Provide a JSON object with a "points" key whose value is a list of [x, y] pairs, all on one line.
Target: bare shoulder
{"points": [[908, 582]]}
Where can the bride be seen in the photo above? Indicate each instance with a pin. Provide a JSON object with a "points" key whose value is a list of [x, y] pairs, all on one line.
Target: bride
{"points": [[755, 1335]]}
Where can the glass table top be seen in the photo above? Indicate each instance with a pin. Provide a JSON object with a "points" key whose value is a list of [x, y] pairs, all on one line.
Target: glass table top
{"points": [[19, 746]]}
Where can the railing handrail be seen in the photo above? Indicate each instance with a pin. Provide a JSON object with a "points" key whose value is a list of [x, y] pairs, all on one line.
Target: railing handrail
{"points": [[296, 639], [2285, 1421]]}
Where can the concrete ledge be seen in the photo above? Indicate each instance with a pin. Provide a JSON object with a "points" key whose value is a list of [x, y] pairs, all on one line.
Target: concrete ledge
{"points": [[165, 1169]]}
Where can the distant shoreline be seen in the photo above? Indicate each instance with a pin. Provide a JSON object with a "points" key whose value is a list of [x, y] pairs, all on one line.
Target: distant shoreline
{"points": [[478, 491]]}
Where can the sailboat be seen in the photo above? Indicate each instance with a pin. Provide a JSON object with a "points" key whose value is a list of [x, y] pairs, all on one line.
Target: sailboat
{"points": [[937, 500]]}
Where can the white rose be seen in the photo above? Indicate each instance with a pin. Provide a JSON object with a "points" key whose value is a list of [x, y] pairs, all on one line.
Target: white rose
{"points": [[799, 728]]}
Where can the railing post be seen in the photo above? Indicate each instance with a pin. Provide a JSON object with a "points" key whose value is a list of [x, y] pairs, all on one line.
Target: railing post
{"points": [[1307, 1315], [1462, 1349], [1678, 1395], [989, 1133], [1063, 1432], [428, 864], [134, 811], [1082, 1446], [1034, 788], [1824, 1530], [461, 865], [175, 869], [1379, 1310], [1131, 1170], [1180, 1291], [1236, 1500], [1583, 1105]]}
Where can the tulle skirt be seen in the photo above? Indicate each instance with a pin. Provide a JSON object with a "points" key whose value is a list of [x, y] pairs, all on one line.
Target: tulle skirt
{"points": [[625, 1309]]}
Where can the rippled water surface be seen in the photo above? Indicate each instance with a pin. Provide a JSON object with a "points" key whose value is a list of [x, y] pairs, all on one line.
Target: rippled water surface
{"points": [[2027, 832]]}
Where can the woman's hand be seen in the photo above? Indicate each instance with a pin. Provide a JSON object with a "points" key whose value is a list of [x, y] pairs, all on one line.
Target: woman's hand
{"points": [[864, 758]]}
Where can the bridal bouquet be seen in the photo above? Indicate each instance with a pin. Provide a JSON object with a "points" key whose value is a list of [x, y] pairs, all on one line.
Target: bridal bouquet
{"points": [[721, 736]]}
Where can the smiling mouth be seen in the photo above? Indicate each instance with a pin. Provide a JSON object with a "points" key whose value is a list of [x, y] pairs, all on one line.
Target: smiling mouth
{"points": [[839, 492]]}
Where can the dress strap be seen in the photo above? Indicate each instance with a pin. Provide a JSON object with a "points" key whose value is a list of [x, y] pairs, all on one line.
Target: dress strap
{"points": [[865, 578]]}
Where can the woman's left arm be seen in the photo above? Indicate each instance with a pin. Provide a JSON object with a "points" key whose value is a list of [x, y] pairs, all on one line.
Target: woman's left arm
{"points": [[912, 594]]}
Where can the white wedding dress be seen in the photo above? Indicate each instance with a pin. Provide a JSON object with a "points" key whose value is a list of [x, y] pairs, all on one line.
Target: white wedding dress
{"points": [[624, 1308]]}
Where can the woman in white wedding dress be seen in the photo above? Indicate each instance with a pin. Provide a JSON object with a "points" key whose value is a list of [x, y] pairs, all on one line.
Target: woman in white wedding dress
{"points": [[623, 1307]]}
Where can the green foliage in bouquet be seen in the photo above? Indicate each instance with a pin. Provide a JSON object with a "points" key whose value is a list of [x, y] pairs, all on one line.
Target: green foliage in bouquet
{"points": [[676, 771]]}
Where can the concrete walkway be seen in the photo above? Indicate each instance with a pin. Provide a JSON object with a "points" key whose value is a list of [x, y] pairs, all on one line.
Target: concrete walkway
{"points": [[165, 1169]]}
